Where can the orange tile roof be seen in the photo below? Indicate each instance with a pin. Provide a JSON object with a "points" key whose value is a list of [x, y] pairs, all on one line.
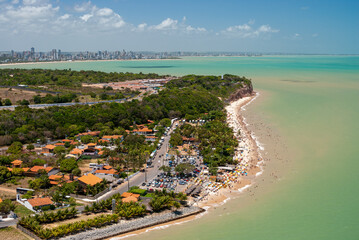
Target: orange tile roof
{"points": [[10, 169], [38, 168], [0, 200], [90, 179], [151, 137], [48, 169], [55, 177], [107, 167], [25, 169], [54, 182], [76, 151], [143, 130], [130, 199], [16, 162], [66, 140], [59, 144], [100, 152], [50, 146], [112, 136], [126, 194], [91, 144], [37, 202], [94, 133], [111, 171]]}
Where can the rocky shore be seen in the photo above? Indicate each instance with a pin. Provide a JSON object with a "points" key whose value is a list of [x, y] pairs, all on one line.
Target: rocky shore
{"points": [[126, 226]]}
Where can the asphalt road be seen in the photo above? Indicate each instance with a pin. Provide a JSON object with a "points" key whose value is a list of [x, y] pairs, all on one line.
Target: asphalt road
{"points": [[136, 180], [141, 177]]}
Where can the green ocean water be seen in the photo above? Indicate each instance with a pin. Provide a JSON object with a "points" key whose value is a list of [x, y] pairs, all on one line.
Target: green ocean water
{"points": [[312, 104]]}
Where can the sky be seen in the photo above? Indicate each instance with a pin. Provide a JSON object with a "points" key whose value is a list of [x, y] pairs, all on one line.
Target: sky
{"points": [[267, 26]]}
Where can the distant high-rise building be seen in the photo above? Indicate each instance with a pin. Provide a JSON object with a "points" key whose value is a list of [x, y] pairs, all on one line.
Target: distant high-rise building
{"points": [[54, 54], [12, 53], [59, 54], [32, 53]]}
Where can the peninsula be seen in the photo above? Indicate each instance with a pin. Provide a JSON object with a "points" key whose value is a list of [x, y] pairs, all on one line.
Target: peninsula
{"points": [[90, 171]]}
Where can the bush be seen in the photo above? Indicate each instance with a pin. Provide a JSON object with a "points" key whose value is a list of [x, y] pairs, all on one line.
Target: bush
{"points": [[140, 191]]}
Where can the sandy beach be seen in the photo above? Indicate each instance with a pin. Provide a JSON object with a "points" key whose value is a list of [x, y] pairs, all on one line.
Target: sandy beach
{"points": [[247, 154], [84, 61], [250, 157]]}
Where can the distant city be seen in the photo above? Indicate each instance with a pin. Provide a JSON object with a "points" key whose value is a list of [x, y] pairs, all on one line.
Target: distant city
{"points": [[58, 55]]}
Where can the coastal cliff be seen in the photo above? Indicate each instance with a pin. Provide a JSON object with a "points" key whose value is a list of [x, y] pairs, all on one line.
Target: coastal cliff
{"points": [[245, 91]]}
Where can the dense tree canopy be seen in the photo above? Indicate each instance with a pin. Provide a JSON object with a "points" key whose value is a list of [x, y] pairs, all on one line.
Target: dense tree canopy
{"points": [[66, 77]]}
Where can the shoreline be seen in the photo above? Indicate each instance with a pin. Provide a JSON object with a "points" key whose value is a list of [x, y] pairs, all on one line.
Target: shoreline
{"points": [[254, 160], [251, 159], [80, 61]]}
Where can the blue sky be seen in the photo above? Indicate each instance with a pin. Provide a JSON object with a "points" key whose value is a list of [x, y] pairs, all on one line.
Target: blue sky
{"points": [[320, 26]]}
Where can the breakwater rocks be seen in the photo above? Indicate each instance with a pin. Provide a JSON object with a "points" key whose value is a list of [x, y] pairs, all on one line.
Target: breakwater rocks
{"points": [[136, 224]]}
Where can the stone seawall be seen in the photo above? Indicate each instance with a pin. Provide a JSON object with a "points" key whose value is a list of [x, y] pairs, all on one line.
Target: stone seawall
{"points": [[136, 224]]}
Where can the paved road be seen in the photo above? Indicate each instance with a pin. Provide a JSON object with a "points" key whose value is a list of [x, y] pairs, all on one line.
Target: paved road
{"points": [[150, 173], [136, 180], [12, 107], [8, 223]]}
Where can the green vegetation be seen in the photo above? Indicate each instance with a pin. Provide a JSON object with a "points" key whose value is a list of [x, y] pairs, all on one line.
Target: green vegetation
{"points": [[138, 190], [213, 84], [5, 174], [58, 98], [68, 165], [6, 206], [22, 211], [36, 77], [27, 125], [184, 168], [217, 144]]}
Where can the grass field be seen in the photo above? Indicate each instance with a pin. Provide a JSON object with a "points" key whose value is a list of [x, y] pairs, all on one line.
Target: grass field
{"points": [[15, 94], [10, 233], [22, 211]]}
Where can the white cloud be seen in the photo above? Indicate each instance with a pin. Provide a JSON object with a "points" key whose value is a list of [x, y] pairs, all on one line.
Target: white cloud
{"points": [[166, 24], [140, 27], [315, 35], [64, 17], [32, 12], [247, 31], [86, 17], [104, 12], [83, 7], [189, 28], [170, 25], [244, 27], [267, 29]]}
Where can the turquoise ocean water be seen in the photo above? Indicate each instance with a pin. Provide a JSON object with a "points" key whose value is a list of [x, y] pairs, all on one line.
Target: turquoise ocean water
{"points": [[310, 104]]}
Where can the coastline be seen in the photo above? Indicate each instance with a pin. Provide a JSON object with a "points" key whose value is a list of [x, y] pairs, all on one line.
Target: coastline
{"points": [[253, 159], [250, 159], [83, 61]]}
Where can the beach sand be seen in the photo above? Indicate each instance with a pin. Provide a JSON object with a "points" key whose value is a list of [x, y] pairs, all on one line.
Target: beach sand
{"points": [[214, 200], [79, 61]]}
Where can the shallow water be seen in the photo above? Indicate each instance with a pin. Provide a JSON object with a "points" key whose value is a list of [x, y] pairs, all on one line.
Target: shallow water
{"points": [[306, 118]]}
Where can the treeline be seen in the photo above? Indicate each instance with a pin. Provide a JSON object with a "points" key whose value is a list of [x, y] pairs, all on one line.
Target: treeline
{"points": [[58, 98], [217, 85], [27, 125], [66, 77]]}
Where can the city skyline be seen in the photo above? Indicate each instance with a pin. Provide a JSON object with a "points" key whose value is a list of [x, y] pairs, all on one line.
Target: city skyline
{"points": [[323, 27]]}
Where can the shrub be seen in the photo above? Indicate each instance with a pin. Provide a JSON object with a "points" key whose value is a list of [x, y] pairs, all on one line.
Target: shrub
{"points": [[140, 191]]}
